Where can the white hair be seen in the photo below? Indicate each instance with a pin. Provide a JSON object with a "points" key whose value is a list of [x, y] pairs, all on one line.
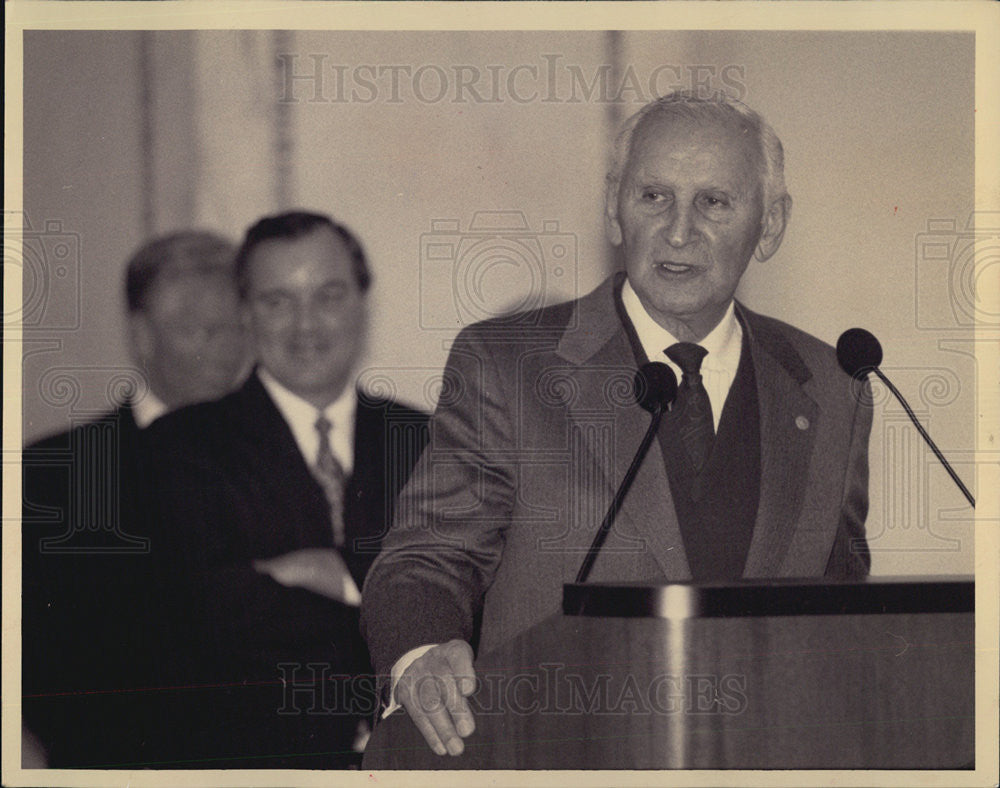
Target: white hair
{"points": [[718, 109]]}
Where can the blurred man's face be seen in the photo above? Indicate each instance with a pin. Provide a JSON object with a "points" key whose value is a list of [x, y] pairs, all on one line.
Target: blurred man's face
{"points": [[306, 313], [688, 216], [190, 338]]}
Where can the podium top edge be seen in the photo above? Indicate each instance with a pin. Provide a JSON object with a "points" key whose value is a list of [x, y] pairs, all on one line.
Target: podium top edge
{"points": [[785, 597]]}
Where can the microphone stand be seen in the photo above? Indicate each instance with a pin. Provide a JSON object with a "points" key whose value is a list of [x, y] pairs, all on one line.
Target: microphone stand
{"points": [[926, 437], [616, 503]]}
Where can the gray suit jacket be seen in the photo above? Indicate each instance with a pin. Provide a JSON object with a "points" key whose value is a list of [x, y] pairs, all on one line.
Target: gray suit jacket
{"points": [[535, 428]]}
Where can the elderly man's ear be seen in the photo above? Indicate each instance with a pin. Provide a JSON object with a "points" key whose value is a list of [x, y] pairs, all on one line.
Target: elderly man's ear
{"points": [[142, 341], [775, 221], [611, 226]]}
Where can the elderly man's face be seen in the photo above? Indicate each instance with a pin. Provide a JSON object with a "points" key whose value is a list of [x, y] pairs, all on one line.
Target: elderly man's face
{"points": [[688, 215], [190, 338], [306, 313]]}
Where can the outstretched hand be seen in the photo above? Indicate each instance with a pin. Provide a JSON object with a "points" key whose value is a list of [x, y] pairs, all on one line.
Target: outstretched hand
{"points": [[433, 690]]}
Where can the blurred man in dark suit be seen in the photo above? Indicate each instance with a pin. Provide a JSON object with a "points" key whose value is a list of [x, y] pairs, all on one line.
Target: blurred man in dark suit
{"points": [[763, 468], [86, 544], [276, 498]]}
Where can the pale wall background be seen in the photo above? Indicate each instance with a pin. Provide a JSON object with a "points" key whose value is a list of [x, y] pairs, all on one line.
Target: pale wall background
{"points": [[132, 133]]}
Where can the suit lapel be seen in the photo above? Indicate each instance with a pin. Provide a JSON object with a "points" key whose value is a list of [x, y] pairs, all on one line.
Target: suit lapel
{"points": [[788, 418], [610, 427], [367, 484], [264, 425], [291, 488], [598, 348]]}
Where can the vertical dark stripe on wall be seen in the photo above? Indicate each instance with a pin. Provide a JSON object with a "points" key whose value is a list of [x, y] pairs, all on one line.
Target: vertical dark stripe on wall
{"points": [[188, 203], [147, 188], [614, 45], [282, 42]]}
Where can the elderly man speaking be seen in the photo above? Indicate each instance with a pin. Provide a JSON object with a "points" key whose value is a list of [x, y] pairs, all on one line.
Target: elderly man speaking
{"points": [[763, 468]]}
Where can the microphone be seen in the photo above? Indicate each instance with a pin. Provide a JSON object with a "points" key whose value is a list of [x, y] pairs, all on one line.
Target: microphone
{"points": [[858, 353], [655, 386], [655, 389]]}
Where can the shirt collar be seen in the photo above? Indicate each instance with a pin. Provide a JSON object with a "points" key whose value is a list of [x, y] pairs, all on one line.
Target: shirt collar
{"points": [[147, 410], [301, 417], [723, 342]]}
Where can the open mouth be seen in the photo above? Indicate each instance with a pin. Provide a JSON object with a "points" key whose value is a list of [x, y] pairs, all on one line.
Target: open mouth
{"points": [[675, 268]]}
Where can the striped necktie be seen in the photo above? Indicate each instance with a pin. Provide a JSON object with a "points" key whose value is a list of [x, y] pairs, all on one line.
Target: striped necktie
{"points": [[330, 474], [693, 409]]}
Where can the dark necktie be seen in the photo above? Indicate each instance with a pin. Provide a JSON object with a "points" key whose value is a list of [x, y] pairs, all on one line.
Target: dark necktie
{"points": [[693, 410], [330, 474]]}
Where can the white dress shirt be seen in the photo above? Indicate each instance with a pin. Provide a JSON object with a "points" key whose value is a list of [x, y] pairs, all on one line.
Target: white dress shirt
{"points": [[723, 343], [147, 410], [301, 419]]}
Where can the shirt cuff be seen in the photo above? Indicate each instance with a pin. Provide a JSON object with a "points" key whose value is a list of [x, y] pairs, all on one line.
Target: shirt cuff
{"points": [[398, 670], [351, 594]]}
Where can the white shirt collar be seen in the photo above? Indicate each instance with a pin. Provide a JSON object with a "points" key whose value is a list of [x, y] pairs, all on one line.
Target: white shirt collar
{"points": [[723, 343], [147, 410], [301, 418]]}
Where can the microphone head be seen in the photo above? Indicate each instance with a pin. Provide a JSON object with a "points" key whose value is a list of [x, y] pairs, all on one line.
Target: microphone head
{"points": [[655, 385], [858, 352]]}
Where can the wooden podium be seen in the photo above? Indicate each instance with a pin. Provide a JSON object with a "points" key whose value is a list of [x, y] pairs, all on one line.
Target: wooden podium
{"points": [[788, 675]]}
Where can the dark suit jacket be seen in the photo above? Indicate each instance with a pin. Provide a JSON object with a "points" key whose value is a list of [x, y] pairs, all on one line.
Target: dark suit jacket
{"points": [[527, 449], [231, 486], [85, 579]]}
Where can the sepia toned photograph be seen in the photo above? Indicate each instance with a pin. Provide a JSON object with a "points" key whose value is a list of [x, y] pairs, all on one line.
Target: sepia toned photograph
{"points": [[586, 388]]}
